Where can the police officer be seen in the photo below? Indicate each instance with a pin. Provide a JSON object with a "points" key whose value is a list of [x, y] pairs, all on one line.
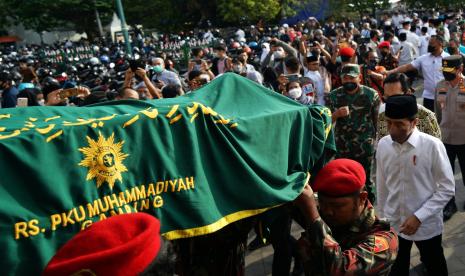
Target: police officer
{"points": [[344, 237], [450, 110]]}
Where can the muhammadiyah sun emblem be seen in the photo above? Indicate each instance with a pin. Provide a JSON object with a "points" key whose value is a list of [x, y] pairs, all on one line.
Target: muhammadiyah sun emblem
{"points": [[104, 159]]}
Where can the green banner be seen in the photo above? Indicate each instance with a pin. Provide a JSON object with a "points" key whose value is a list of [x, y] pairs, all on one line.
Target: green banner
{"points": [[228, 151]]}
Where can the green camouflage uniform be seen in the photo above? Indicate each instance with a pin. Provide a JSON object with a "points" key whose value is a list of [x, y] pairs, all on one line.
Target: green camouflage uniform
{"points": [[355, 134], [368, 247]]}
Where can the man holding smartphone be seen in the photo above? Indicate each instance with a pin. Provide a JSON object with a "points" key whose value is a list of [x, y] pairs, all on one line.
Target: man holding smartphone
{"points": [[55, 96]]}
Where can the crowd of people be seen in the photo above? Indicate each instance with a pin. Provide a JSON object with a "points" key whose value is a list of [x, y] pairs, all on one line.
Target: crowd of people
{"points": [[392, 153]]}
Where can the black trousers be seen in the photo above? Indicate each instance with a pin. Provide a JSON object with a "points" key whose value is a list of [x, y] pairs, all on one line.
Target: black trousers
{"points": [[456, 151], [428, 103], [453, 152], [431, 255], [285, 245]]}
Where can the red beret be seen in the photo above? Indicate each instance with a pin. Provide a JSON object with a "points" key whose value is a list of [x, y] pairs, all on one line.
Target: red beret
{"points": [[120, 245], [340, 177], [384, 44], [347, 52]]}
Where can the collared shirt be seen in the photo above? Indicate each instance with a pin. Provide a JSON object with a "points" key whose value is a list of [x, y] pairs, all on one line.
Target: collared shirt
{"points": [[450, 108], [408, 53], [167, 77], [431, 68], [368, 247], [424, 41], [427, 122], [413, 38], [414, 178]]}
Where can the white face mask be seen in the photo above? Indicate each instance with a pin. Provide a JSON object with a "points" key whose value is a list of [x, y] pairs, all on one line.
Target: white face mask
{"points": [[42, 102], [278, 55], [295, 93]]}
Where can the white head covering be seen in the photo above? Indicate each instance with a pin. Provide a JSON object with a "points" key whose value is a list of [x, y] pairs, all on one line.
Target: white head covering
{"points": [[265, 51]]}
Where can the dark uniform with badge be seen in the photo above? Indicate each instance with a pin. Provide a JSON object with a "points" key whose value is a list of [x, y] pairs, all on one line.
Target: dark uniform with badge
{"points": [[450, 111], [367, 247], [355, 134]]}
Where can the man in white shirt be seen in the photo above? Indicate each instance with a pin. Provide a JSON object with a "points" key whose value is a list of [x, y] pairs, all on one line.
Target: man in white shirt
{"points": [[431, 67], [411, 36], [396, 19], [407, 50], [424, 40], [374, 39], [313, 73], [414, 183]]}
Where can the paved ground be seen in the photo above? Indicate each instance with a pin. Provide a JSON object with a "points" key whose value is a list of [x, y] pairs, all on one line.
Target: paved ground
{"points": [[258, 262]]}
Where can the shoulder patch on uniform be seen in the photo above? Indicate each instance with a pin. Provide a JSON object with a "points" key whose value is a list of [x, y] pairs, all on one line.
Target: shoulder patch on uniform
{"points": [[381, 244]]}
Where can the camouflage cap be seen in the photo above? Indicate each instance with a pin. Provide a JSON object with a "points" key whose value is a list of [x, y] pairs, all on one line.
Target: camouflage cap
{"points": [[352, 70]]}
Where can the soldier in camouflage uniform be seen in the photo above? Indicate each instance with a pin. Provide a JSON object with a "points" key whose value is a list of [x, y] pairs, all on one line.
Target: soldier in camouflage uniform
{"points": [[348, 238], [355, 113]]}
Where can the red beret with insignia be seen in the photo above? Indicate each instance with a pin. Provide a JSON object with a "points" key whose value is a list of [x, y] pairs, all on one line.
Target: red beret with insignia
{"points": [[384, 44], [121, 245], [340, 177], [347, 52]]}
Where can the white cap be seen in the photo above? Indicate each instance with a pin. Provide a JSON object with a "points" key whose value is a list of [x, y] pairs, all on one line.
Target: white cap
{"points": [[285, 25]]}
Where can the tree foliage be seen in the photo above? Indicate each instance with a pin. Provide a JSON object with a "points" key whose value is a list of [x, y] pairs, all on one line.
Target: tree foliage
{"points": [[173, 15], [248, 10], [44, 15]]}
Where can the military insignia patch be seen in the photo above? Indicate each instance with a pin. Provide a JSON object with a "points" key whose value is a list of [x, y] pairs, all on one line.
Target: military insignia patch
{"points": [[104, 159], [381, 244]]}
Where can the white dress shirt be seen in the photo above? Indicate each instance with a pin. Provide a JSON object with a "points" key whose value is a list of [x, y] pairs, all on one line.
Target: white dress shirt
{"points": [[408, 53], [431, 68], [414, 178], [424, 42], [414, 39]]}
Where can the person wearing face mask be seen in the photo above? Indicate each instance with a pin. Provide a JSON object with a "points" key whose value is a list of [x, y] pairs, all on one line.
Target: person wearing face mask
{"points": [[355, 113], [340, 58], [450, 110], [374, 39], [387, 59], [276, 57], [453, 48], [430, 66], [294, 91], [241, 69], [371, 72], [162, 76]]}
